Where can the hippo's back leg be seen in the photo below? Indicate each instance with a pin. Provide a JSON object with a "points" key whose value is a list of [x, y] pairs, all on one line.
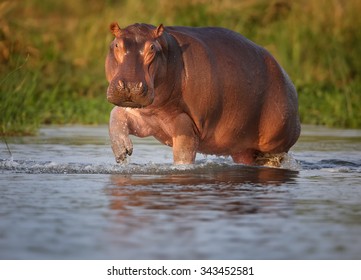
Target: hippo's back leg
{"points": [[247, 156], [254, 157]]}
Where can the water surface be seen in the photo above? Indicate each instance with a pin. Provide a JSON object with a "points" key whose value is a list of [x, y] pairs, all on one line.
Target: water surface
{"points": [[63, 197]]}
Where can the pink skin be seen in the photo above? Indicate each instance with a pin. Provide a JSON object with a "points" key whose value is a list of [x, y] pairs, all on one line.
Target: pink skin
{"points": [[207, 90]]}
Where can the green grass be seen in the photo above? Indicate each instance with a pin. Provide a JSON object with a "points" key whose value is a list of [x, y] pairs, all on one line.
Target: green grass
{"points": [[52, 53]]}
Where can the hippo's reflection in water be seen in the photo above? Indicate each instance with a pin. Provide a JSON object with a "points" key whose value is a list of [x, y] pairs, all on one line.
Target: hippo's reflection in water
{"points": [[237, 189]]}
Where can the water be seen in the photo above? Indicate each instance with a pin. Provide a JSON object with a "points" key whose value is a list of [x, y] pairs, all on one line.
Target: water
{"points": [[63, 197]]}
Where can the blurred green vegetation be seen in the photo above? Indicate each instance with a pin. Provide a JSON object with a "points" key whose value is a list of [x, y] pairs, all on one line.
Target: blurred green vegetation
{"points": [[52, 53]]}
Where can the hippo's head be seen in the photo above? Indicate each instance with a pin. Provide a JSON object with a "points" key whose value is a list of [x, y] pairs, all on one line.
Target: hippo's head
{"points": [[136, 59]]}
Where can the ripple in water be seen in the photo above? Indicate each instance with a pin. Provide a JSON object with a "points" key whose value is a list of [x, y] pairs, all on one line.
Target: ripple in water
{"points": [[51, 167]]}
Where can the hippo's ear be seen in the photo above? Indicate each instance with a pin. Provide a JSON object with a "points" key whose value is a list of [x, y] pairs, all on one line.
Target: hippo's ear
{"points": [[159, 31], [115, 29]]}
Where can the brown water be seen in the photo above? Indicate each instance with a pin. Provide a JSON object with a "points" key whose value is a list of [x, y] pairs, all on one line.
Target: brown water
{"points": [[63, 197]]}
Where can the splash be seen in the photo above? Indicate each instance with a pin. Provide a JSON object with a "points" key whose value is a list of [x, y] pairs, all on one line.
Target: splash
{"points": [[51, 167], [286, 162], [289, 162], [281, 160]]}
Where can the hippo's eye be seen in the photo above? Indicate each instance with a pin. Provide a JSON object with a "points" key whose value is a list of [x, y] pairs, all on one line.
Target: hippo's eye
{"points": [[152, 47], [116, 45]]}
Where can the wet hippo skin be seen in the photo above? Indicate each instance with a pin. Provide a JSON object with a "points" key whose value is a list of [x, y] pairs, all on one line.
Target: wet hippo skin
{"points": [[207, 90]]}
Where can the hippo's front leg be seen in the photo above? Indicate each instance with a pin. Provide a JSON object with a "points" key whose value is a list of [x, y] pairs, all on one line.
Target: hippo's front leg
{"points": [[119, 134], [185, 140]]}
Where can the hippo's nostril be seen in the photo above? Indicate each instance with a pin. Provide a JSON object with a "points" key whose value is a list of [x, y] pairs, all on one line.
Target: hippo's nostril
{"points": [[121, 84]]}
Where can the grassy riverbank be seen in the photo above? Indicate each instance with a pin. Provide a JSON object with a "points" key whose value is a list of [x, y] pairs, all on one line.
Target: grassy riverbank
{"points": [[52, 53]]}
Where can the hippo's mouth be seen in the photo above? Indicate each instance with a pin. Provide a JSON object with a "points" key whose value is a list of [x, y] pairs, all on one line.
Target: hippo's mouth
{"points": [[130, 104], [137, 102], [131, 99]]}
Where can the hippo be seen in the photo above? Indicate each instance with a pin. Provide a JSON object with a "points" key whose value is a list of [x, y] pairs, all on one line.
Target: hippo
{"points": [[203, 90]]}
